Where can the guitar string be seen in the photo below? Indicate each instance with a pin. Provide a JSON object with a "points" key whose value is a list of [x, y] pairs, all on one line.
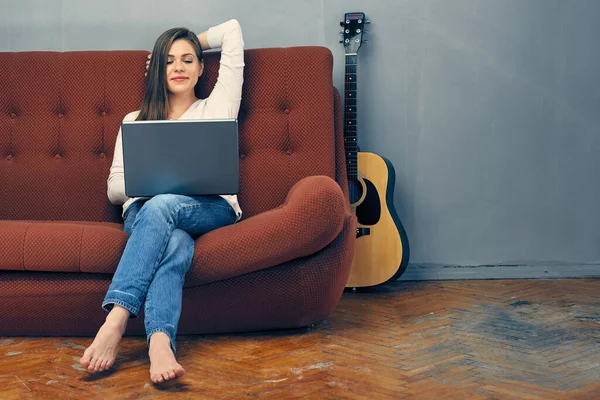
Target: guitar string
{"points": [[351, 146]]}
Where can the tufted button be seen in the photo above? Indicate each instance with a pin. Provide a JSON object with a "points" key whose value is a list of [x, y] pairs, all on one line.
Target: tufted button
{"points": [[60, 115], [102, 155], [287, 111], [242, 156], [9, 157], [57, 156], [289, 152], [104, 113], [13, 115]]}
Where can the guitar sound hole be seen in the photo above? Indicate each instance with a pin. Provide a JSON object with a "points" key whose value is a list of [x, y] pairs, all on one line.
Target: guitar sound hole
{"points": [[355, 189], [369, 211]]}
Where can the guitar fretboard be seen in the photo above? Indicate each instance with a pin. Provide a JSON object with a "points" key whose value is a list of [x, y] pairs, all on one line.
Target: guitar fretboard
{"points": [[350, 117]]}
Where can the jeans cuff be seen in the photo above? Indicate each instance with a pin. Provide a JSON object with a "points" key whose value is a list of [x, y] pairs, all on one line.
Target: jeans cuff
{"points": [[166, 332], [109, 302]]}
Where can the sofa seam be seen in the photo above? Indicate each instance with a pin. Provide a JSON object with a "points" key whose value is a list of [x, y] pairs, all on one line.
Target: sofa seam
{"points": [[12, 102], [287, 117], [81, 247], [104, 108], [23, 248], [303, 321], [61, 107]]}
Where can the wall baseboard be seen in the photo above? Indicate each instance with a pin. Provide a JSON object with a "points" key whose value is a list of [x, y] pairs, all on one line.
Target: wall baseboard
{"points": [[551, 270]]}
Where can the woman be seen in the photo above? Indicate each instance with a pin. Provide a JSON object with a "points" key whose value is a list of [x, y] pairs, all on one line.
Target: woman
{"points": [[162, 228]]}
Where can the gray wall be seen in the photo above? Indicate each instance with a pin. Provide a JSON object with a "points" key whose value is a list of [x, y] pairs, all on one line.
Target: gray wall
{"points": [[487, 108]]}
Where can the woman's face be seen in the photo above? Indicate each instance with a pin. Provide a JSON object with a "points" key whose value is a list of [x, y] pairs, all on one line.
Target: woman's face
{"points": [[183, 67]]}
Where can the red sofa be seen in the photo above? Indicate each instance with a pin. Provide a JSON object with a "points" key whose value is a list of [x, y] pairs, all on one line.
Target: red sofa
{"points": [[284, 265]]}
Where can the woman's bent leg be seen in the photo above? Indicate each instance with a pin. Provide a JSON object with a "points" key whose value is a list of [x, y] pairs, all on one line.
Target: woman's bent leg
{"points": [[163, 301], [102, 353], [163, 306], [151, 232]]}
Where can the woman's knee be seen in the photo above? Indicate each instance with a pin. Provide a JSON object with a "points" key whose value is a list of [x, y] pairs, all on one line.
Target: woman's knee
{"points": [[162, 206], [164, 201], [180, 239]]}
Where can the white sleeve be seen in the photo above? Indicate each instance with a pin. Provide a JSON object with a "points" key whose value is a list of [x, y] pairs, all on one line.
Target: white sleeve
{"points": [[116, 178], [226, 96]]}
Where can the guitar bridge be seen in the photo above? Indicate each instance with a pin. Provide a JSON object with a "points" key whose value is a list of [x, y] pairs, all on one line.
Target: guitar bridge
{"points": [[362, 232]]}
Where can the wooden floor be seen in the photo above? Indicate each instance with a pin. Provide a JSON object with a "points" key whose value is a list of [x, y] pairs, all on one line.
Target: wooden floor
{"points": [[525, 339]]}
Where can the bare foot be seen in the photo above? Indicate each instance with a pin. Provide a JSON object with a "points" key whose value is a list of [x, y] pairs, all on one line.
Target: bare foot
{"points": [[101, 355], [163, 366]]}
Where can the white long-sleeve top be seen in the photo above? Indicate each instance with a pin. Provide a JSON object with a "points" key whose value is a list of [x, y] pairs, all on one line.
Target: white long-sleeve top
{"points": [[223, 102]]}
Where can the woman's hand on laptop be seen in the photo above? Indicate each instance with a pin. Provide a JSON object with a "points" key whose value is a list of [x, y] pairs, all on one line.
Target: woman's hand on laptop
{"points": [[148, 64]]}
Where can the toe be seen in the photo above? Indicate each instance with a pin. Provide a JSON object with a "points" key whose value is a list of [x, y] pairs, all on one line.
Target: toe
{"points": [[172, 374], [101, 365], [84, 362], [92, 364], [86, 358], [165, 375]]}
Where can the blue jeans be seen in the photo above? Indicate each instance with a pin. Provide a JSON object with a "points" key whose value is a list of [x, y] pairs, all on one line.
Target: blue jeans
{"points": [[158, 254]]}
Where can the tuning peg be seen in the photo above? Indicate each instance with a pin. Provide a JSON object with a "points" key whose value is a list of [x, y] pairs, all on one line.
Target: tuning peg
{"points": [[341, 32], [365, 41], [367, 21], [341, 41], [341, 23]]}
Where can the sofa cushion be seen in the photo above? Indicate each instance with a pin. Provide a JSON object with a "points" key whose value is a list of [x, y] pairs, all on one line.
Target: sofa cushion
{"points": [[61, 246], [312, 216]]}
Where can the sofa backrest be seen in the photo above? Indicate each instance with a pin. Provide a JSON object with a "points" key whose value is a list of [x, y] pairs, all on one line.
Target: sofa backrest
{"points": [[60, 113]]}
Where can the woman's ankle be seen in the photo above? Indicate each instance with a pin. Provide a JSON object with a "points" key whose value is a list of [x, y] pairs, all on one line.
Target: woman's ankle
{"points": [[118, 316], [159, 339]]}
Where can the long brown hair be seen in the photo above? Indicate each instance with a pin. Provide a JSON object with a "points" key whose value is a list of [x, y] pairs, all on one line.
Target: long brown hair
{"points": [[155, 105]]}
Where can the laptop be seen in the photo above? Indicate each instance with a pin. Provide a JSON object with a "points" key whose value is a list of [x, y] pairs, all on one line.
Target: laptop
{"points": [[188, 157]]}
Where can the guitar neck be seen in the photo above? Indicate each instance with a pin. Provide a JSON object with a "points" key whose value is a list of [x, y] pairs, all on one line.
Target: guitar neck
{"points": [[350, 117]]}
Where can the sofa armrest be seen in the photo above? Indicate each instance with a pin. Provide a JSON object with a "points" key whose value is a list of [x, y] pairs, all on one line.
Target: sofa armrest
{"points": [[311, 217]]}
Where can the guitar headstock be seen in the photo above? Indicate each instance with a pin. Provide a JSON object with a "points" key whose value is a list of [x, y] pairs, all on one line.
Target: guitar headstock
{"points": [[353, 30]]}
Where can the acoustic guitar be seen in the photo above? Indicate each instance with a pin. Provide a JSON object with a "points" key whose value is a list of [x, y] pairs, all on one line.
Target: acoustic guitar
{"points": [[381, 250]]}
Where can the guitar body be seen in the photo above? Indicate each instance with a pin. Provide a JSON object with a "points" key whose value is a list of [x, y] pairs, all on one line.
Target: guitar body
{"points": [[381, 250]]}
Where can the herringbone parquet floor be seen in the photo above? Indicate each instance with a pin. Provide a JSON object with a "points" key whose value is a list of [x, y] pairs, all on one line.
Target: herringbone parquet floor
{"points": [[525, 339]]}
